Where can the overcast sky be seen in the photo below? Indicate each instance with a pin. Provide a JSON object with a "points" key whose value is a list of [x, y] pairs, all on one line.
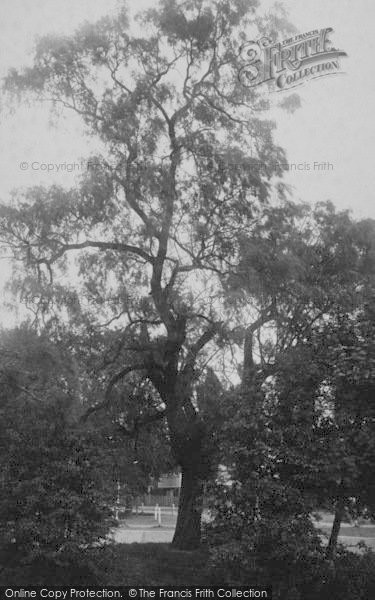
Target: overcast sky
{"points": [[335, 123]]}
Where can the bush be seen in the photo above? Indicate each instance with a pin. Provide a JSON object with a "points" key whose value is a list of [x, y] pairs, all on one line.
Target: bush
{"points": [[275, 545], [352, 576], [278, 545], [51, 506]]}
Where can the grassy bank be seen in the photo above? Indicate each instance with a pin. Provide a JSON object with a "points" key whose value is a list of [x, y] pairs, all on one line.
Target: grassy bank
{"points": [[120, 564]]}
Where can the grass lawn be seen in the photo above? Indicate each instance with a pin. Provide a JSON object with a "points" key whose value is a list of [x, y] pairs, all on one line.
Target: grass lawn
{"points": [[154, 564], [362, 532]]}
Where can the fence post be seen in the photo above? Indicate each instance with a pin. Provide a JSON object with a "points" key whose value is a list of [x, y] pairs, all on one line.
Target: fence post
{"points": [[159, 516]]}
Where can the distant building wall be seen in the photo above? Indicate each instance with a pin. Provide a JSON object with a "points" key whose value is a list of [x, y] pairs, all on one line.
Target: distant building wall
{"points": [[171, 481]]}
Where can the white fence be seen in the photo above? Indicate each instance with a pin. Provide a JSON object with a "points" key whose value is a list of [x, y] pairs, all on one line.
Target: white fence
{"points": [[143, 509], [155, 509]]}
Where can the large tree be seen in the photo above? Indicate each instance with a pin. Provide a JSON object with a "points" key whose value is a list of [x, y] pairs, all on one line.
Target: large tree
{"points": [[157, 221]]}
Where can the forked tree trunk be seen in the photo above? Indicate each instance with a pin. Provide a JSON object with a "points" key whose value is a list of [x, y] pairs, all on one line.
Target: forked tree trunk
{"points": [[188, 527]]}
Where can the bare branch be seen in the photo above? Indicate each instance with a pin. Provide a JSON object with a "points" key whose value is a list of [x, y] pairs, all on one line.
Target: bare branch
{"points": [[107, 397], [248, 360], [129, 195], [101, 246]]}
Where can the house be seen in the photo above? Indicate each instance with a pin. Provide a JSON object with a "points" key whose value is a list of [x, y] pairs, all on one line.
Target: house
{"points": [[169, 485]]}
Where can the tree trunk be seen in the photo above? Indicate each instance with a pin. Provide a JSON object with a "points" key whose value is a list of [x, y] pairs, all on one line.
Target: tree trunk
{"points": [[188, 437], [188, 527], [332, 544]]}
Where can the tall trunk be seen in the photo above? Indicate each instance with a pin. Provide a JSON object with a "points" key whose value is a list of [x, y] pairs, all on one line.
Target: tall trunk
{"points": [[188, 527], [188, 436], [339, 514]]}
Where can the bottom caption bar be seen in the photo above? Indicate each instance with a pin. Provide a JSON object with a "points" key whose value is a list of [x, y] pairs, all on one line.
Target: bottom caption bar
{"points": [[139, 593]]}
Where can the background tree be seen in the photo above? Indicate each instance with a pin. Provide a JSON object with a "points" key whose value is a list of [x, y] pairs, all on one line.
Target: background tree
{"points": [[53, 483], [299, 430], [58, 477]]}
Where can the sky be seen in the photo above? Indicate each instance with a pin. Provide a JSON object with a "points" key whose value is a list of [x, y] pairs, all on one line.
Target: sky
{"points": [[335, 123]]}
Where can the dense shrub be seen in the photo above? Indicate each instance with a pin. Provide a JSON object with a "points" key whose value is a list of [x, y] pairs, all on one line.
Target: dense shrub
{"points": [[261, 532], [353, 576], [274, 545], [51, 501], [281, 549]]}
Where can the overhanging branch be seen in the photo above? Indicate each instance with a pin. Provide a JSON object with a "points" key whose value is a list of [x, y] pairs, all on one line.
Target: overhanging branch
{"points": [[101, 246]]}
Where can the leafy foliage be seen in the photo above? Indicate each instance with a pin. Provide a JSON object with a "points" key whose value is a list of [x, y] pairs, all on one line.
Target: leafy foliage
{"points": [[51, 503], [57, 480]]}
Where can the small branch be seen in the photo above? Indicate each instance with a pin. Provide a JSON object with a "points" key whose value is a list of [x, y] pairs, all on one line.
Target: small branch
{"points": [[130, 196], [107, 396], [24, 390]]}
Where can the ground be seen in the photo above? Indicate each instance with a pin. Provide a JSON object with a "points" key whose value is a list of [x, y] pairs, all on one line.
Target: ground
{"points": [[144, 556], [121, 565], [143, 528], [155, 564], [146, 563], [152, 560]]}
